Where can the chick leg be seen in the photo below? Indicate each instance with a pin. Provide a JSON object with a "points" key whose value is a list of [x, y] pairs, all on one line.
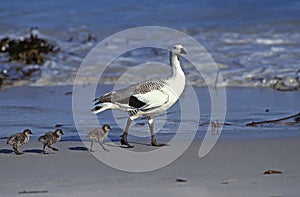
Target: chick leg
{"points": [[44, 149], [91, 149], [101, 144], [54, 149], [15, 147]]}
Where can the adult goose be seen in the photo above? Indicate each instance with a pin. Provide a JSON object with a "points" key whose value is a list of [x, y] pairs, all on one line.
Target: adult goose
{"points": [[147, 98]]}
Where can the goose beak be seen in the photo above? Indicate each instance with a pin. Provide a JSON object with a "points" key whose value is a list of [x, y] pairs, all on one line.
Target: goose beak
{"points": [[182, 51]]}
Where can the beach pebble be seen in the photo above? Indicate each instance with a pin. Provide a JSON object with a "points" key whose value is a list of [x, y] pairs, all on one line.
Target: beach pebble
{"points": [[224, 182], [181, 180], [272, 172]]}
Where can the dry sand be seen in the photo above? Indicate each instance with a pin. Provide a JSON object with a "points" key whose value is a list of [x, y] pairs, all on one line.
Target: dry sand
{"points": [[232, 168]]}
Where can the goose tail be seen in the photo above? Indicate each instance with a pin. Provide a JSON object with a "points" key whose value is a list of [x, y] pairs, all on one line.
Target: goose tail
{"points": [[102, 107]]}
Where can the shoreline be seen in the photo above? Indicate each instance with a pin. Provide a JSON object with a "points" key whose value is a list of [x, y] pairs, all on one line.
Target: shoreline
{"points": [[41, 108]]}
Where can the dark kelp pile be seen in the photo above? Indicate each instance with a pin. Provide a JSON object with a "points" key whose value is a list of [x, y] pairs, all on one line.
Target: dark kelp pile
{"points": [[21, 58], [286, 83]]}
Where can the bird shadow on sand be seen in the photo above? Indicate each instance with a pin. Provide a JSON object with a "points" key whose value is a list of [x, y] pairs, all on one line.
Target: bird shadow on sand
{"points": [[83, 148], [139, 143], [148, 144], [112, 145], [78, 148], [36, 151], [6, 151], [134, 143]]}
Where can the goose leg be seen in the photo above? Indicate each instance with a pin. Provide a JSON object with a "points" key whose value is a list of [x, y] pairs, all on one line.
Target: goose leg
{"points": [[151, 127], [125, 134]]}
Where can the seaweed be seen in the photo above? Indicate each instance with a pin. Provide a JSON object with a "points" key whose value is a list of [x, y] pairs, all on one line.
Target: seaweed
{"points": [[296, 116], [29, 50], [21, 58]]}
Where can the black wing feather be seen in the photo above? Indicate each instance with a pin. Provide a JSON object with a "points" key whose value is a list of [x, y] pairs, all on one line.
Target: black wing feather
{"points": [[136, 103], [125, 95]]}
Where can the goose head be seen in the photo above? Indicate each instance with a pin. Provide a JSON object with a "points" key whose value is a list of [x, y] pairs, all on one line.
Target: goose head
{"points": [[178, 50]]}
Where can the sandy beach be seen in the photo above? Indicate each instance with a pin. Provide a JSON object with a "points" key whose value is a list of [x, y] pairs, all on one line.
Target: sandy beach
{"points": [[234, 167]]}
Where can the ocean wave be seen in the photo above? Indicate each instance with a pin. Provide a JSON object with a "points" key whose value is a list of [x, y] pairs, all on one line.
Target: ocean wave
{"points": [[244, 58]]}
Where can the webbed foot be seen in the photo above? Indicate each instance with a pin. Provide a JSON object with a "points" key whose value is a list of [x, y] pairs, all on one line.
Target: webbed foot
{"points": [[124, 140]]}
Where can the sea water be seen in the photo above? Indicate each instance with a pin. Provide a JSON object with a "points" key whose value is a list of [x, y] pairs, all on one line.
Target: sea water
{"points": [[253, 42]]}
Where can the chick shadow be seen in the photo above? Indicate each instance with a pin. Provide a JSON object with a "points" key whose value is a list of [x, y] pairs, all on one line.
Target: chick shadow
{"points": [[36, 151], [6, 151], [9, 151]]}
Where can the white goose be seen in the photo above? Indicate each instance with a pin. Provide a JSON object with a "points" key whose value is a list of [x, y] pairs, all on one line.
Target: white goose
{"points": [[147, 98]]}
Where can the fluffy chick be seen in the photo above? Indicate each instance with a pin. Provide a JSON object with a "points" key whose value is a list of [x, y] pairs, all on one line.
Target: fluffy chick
{"points": [[50, 138], [98, 134], [19, 139]]}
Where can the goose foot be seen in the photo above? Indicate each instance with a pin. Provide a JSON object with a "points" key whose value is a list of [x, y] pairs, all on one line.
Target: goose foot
{"points": [[124, 140], [154, 143]]}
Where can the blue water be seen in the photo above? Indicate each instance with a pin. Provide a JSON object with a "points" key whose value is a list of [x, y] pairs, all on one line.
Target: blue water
{"points": [[108, 16], [253, 42]]}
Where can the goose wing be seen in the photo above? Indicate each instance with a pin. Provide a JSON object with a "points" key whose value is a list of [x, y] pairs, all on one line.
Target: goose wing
{"points": [[149, 100], [143, 95]]}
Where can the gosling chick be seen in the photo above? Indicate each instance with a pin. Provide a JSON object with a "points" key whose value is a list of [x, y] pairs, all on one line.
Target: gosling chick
{"points": [[18, 140], [50, 138], [98, 134]]}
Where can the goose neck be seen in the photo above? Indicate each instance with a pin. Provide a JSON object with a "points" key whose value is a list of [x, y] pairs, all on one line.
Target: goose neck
{"points": [[175, 64]]}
